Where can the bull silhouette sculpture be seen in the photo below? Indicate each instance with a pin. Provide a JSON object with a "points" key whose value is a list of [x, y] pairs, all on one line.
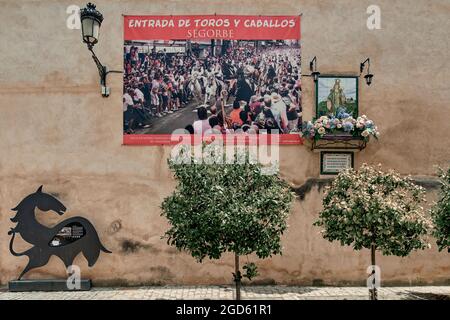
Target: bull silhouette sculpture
{"points": [[65, 240]]}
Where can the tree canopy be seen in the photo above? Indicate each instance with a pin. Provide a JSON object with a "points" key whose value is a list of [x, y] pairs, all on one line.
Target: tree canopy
{"points": [[370, 206], [218, 208], [441, 212]]}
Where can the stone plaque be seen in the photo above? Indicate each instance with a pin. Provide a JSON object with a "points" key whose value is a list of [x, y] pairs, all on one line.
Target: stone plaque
{"points": [[334, 162]]}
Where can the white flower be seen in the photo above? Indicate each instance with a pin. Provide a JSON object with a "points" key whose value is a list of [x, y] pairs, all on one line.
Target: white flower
{"points": [[359, 124]]}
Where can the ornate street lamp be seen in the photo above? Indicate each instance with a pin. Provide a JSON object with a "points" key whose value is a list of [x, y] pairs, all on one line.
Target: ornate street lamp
{"points": [[91, 20], [368, 76], [313, 67]]}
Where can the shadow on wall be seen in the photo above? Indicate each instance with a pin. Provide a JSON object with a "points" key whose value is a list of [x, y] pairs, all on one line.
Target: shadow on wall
{"points": [[429, 184]]}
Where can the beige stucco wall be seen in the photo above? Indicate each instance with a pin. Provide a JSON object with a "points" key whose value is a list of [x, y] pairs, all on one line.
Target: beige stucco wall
{"points": [[58, 131]]}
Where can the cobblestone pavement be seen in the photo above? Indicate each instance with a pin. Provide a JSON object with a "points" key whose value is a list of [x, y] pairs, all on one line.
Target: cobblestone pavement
{"points": [[226, 293]]}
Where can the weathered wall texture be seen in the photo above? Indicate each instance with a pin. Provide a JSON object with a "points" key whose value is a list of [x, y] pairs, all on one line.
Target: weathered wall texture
{"points": [[58, 131]]}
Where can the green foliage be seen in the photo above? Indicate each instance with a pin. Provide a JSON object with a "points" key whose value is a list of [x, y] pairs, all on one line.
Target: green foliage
{"points": [[350, 107], [218, 208], [441, 212], [251, 270], [371, 206]]}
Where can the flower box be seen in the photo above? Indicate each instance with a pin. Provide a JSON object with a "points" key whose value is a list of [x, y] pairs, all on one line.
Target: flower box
{"points": [[340, 132]]}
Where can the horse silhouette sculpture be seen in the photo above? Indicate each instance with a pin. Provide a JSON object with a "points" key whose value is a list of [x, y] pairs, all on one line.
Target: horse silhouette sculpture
{"points": [[65, 240]]}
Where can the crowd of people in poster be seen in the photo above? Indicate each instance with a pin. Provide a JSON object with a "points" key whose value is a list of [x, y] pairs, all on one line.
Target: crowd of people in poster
{"points": [[227, 86]]}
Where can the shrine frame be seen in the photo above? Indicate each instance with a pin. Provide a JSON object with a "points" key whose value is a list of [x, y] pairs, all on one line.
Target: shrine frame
{"points": [[337, 76]]}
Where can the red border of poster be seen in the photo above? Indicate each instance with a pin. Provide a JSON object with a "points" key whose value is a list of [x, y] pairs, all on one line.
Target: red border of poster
{"points": [[212, 27], [229, 27], [169, 139]]}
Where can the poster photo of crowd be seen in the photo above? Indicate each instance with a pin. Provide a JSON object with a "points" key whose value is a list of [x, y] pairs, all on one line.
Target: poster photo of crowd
{"points": [[225, 75]]}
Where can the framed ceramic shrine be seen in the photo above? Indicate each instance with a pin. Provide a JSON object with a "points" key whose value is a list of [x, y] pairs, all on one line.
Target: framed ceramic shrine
{"points": [[337, 95]]}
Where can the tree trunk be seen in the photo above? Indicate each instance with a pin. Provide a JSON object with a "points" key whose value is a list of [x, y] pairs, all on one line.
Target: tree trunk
{"points": [[237, 277], [373, 294]]}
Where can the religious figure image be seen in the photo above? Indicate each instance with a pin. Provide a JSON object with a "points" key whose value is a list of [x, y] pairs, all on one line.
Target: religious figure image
{"points": [[336, 98], [337, 95]]}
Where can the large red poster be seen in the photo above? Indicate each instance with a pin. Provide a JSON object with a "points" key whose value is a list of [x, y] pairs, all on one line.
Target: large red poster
{"points": [[187, 77]]}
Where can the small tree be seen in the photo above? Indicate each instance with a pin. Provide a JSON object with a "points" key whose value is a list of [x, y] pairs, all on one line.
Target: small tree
{"points": [[441, 213], [376, 210], [218, 208]]}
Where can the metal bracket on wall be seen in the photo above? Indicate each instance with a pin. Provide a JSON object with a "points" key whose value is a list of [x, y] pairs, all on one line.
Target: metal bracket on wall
{"points": [[102, 71], [339, 142]]}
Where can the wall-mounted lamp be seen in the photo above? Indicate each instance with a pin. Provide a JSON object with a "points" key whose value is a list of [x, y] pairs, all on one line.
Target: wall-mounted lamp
{"points": [[368, 76], [313, 67], [91, 20]]}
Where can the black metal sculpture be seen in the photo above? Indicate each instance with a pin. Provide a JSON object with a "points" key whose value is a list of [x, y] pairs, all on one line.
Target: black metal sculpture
{"points": [[65, 240]]}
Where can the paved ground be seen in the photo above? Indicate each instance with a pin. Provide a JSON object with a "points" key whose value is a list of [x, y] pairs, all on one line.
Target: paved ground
{"points": [[226, 293], [177, 120]]}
